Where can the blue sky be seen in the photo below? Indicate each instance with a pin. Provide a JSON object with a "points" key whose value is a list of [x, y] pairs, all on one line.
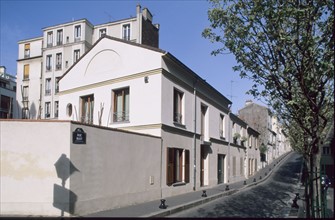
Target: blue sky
{"points": [[181, 23]]}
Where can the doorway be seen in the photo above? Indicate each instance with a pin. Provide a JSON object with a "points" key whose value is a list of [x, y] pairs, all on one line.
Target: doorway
{"points": [[221, 158]]}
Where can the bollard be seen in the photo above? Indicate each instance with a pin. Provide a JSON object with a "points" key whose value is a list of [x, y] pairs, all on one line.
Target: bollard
{"points": [[254, 179], [204, 193], [260, 177], [294, 204], [269, 169], [245, 182], [227, 187], [266, 173], [162, 205]]}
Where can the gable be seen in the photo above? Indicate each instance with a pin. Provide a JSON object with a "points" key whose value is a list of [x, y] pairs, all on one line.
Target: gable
{"points": [[110, 59]]}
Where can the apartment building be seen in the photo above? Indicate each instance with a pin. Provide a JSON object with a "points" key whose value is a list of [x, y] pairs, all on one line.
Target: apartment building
{"points": [[267, 124], [8, 107], [43, 60]]}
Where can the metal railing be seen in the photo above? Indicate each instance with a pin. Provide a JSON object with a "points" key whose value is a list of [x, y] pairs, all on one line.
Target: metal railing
{"points": [[120, 116], [178, 117], [48, 92]]}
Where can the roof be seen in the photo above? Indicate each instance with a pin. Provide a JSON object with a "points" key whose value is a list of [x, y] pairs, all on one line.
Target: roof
{"points": [[164, 54]]}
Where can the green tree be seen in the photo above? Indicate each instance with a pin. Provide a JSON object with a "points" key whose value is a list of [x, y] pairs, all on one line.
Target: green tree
{"points": [[286, 47]]}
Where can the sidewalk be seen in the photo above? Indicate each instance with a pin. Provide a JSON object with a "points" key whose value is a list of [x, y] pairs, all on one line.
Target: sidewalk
{"points": [[188, 200]]}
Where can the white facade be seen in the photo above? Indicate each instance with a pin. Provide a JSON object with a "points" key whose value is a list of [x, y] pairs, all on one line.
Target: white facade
{"points": [[60, 46], [162, 98], [8, 105]]}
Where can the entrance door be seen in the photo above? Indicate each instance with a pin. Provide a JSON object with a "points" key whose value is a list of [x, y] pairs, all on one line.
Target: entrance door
{"points": [[221, 168], [202, 166]]}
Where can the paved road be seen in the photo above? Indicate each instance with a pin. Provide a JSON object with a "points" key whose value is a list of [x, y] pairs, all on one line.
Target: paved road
{"points": [[270, 199]]}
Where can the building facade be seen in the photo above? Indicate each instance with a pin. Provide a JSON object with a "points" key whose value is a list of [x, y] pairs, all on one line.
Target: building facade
{"points": [[8, 107], [271, 136], [43, 60]]}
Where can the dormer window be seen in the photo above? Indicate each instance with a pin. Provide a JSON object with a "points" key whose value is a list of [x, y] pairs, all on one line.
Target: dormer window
{"points": [[77, 33], [126, 32], [102, 32]]}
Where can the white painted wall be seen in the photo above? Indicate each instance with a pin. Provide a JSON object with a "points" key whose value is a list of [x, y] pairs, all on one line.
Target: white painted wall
{"points": [[29, 151]]}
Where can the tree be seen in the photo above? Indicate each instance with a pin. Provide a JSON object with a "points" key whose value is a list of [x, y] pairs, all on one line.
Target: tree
{"points": [[285, 47]]}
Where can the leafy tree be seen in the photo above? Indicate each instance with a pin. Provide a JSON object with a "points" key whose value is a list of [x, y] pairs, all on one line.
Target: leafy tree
{"points": [[286, 47]]}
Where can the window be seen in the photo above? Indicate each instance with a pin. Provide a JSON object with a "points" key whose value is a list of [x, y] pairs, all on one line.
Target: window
{"points": [[59, 37], [69, 110], [58, 61], [121, 105], [49, 39], [57, 84], [222, 126], [76, 55], [77, 33], [56, 109], [26, 72], [25, 93], [48, 62], [178, 106], [102, 32], [26, 50], [48, 86], [47, 109], [87, 107], [178, 166], [126, 32]]}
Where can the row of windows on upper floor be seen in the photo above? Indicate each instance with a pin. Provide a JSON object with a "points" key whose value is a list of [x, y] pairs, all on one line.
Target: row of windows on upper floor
{"points": [[240, 135], [49, 63], [77, 37]]}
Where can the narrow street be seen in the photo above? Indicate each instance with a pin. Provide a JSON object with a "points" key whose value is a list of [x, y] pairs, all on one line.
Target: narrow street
{"points": [[270, 199]]}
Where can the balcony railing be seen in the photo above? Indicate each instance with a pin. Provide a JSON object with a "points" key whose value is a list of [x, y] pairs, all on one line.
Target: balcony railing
{"points": [[120, 116], [48, 92], [48, 68], [87, 119], [47, 115], [59, 43], [77, 39], [58, 66], [49, 45]]}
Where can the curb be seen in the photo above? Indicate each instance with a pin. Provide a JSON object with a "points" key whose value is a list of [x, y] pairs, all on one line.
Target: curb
{"points": [[192, 204]]}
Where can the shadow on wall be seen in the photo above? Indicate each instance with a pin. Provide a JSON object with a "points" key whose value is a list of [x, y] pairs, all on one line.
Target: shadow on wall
{"points": [[64, 199]]}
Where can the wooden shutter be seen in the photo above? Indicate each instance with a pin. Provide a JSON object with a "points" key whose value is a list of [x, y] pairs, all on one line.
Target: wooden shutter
{"points": [[27, 46], [187, 166], [26, 71], [170, 166]]}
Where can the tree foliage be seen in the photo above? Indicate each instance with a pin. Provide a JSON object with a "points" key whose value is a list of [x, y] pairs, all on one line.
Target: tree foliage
{"points": [[287, 48]]}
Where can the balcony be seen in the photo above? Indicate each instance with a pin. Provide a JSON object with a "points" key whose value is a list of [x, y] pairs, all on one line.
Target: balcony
{"points": [[58, 66], [48, 92], [120, 116], [59, 43], [49, 45]]}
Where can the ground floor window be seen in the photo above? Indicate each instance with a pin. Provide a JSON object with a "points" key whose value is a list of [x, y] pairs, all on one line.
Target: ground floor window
{"points": [[87, 107], [178, 166]]}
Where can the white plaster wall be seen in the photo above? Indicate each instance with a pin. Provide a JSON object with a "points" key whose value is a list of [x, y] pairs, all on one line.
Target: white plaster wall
{"points": [[110, 59], [35, 47], [29, 151], [144, 103]]}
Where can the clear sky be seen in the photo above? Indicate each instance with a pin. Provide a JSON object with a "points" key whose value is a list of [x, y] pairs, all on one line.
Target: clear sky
{"points": [[181, 24]]}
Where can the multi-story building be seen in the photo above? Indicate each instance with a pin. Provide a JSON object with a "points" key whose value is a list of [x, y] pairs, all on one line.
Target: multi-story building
{"points": [[260, 118], [43, 60], [8, 107]]}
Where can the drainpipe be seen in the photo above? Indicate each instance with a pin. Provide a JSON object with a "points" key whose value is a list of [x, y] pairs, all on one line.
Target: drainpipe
{"points": [[229, 141], [194, 136]]}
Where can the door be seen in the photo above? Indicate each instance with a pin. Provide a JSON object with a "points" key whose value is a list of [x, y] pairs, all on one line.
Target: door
{"points": [[221, 168], [202, 166]]}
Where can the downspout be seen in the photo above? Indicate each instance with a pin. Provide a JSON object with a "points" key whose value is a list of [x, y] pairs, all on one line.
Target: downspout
{"points": [[194, 136], [229, 141]]}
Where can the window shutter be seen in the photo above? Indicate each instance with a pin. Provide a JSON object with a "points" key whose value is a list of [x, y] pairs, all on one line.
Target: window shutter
{"points": [[27, 46], [187, 166], [169, 166]]}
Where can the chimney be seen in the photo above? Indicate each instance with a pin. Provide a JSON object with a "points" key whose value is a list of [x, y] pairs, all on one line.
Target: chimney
{"points": [[2, 69], [138, 9], [248, 102]]}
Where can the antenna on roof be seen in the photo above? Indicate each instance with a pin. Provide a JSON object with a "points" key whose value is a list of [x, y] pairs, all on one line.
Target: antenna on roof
{"points": [[109, 16]]}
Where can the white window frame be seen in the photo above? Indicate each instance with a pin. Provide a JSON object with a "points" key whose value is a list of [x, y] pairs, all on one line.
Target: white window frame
{"points": [[126, 31]]}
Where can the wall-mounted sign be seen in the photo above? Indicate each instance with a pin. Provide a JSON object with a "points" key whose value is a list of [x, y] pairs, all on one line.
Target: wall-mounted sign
{"points": [[79, 136]]}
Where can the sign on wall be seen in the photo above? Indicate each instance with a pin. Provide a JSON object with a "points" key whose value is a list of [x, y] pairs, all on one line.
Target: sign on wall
{"points": [[79, 136]]}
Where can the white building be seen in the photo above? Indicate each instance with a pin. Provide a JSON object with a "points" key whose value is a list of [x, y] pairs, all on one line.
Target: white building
{"points": [[8, 107], [43, 60]]}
